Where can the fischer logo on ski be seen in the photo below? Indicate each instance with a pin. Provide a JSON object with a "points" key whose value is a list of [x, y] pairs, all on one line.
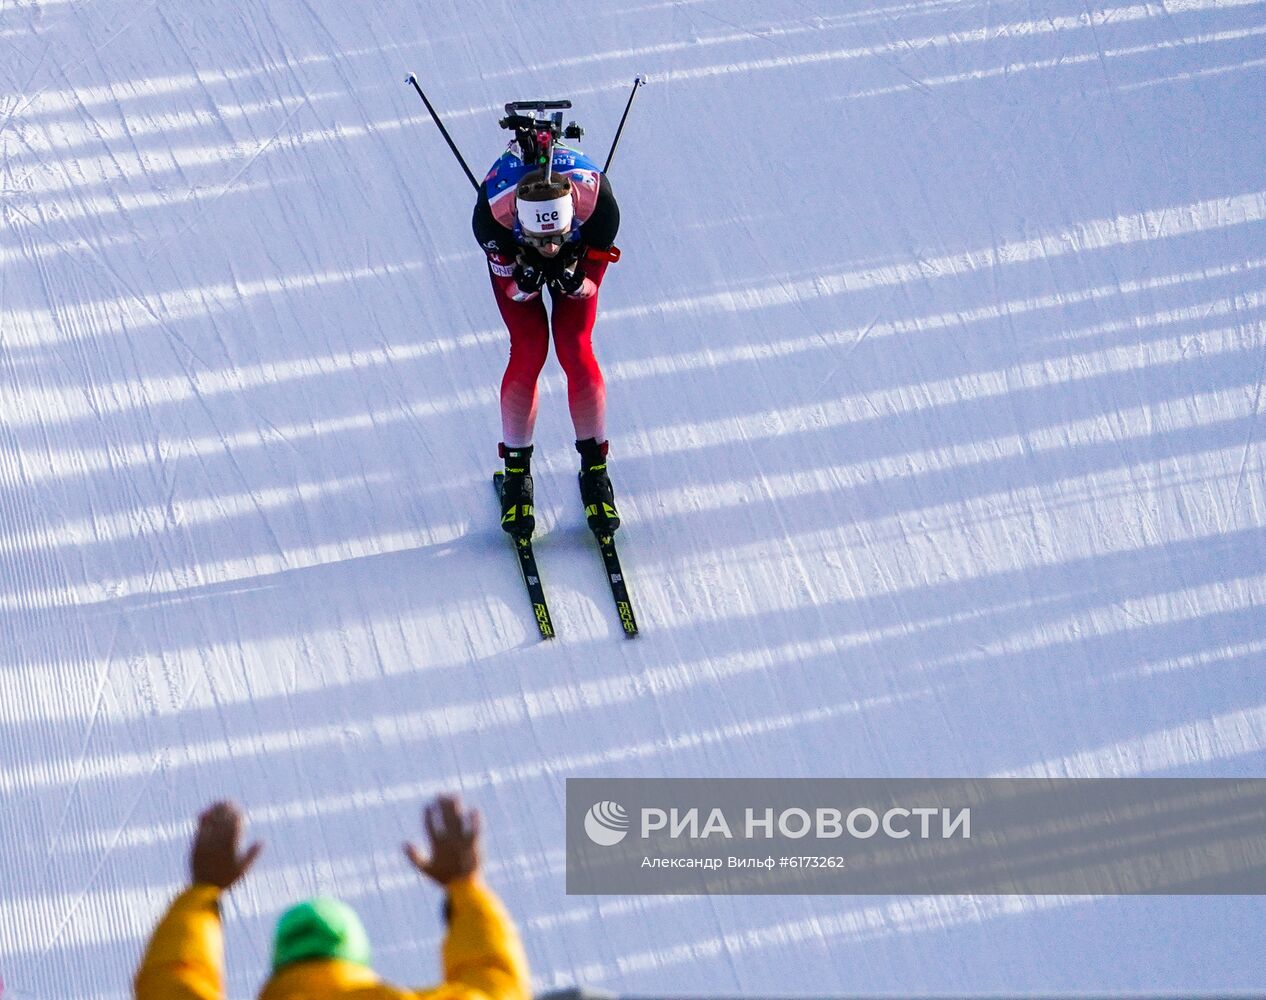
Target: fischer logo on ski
{"points": [[619, 588], [531, 577]]}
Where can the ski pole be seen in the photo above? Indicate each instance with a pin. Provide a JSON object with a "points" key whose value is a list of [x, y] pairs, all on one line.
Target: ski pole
{"points": [[637, 82], [444, 132]]}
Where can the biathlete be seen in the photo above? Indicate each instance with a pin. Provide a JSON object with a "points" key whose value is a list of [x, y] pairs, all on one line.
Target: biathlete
{"points": [[550, 230]]}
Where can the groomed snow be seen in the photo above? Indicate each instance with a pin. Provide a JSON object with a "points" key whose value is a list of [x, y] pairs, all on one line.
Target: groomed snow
{"points": [[935, 364]]}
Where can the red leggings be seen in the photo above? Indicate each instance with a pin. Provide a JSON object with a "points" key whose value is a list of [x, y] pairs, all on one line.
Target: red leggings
{"points": [[529, 328]]}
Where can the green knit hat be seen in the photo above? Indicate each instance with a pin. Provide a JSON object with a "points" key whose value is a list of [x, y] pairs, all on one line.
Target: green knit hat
{"points": [[320, 928]]}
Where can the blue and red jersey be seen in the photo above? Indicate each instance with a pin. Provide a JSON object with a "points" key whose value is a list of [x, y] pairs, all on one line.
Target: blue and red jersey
{"points": [[495, 223]]}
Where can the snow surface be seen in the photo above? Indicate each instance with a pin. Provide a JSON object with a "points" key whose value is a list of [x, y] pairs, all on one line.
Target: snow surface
{"points": [[935, 363]]}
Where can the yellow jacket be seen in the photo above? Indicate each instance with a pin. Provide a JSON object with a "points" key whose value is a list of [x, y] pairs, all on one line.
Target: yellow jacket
{"points": [[483, 957]]}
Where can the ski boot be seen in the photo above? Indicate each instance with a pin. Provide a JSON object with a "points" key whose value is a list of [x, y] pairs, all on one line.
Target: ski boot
{"points": [[516, 492], [595, 487]]}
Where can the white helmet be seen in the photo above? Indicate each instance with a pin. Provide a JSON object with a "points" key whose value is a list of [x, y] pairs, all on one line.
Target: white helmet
{"points": [[544, 207]]}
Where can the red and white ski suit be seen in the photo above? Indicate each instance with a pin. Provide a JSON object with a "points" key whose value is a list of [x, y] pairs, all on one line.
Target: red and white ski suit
{"points": [[571, 318]]}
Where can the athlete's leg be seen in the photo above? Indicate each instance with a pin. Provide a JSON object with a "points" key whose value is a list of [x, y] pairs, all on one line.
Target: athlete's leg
{"points": [[529, 347], [573, 321]]}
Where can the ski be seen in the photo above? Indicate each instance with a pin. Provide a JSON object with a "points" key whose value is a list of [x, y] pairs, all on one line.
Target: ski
{"points": [[536, 590], [531, 576], [619, 589]]}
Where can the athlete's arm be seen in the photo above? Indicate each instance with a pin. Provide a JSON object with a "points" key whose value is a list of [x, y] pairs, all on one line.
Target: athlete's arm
{"points": [[599, 230], [492, 235]]}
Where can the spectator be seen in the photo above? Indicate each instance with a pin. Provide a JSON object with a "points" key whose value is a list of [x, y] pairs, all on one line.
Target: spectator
{"points": [[320, 948]]}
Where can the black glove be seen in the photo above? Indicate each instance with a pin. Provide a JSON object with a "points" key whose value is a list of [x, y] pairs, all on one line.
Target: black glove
{"points": [[528, 277], [567, 281]]}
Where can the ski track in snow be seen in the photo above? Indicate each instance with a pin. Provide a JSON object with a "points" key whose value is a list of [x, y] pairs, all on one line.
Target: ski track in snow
{"points": [[935, 364]]}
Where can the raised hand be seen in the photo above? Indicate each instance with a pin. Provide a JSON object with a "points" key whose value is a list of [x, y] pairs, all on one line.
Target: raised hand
{"points": [[214, 859], [454, 836]]}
